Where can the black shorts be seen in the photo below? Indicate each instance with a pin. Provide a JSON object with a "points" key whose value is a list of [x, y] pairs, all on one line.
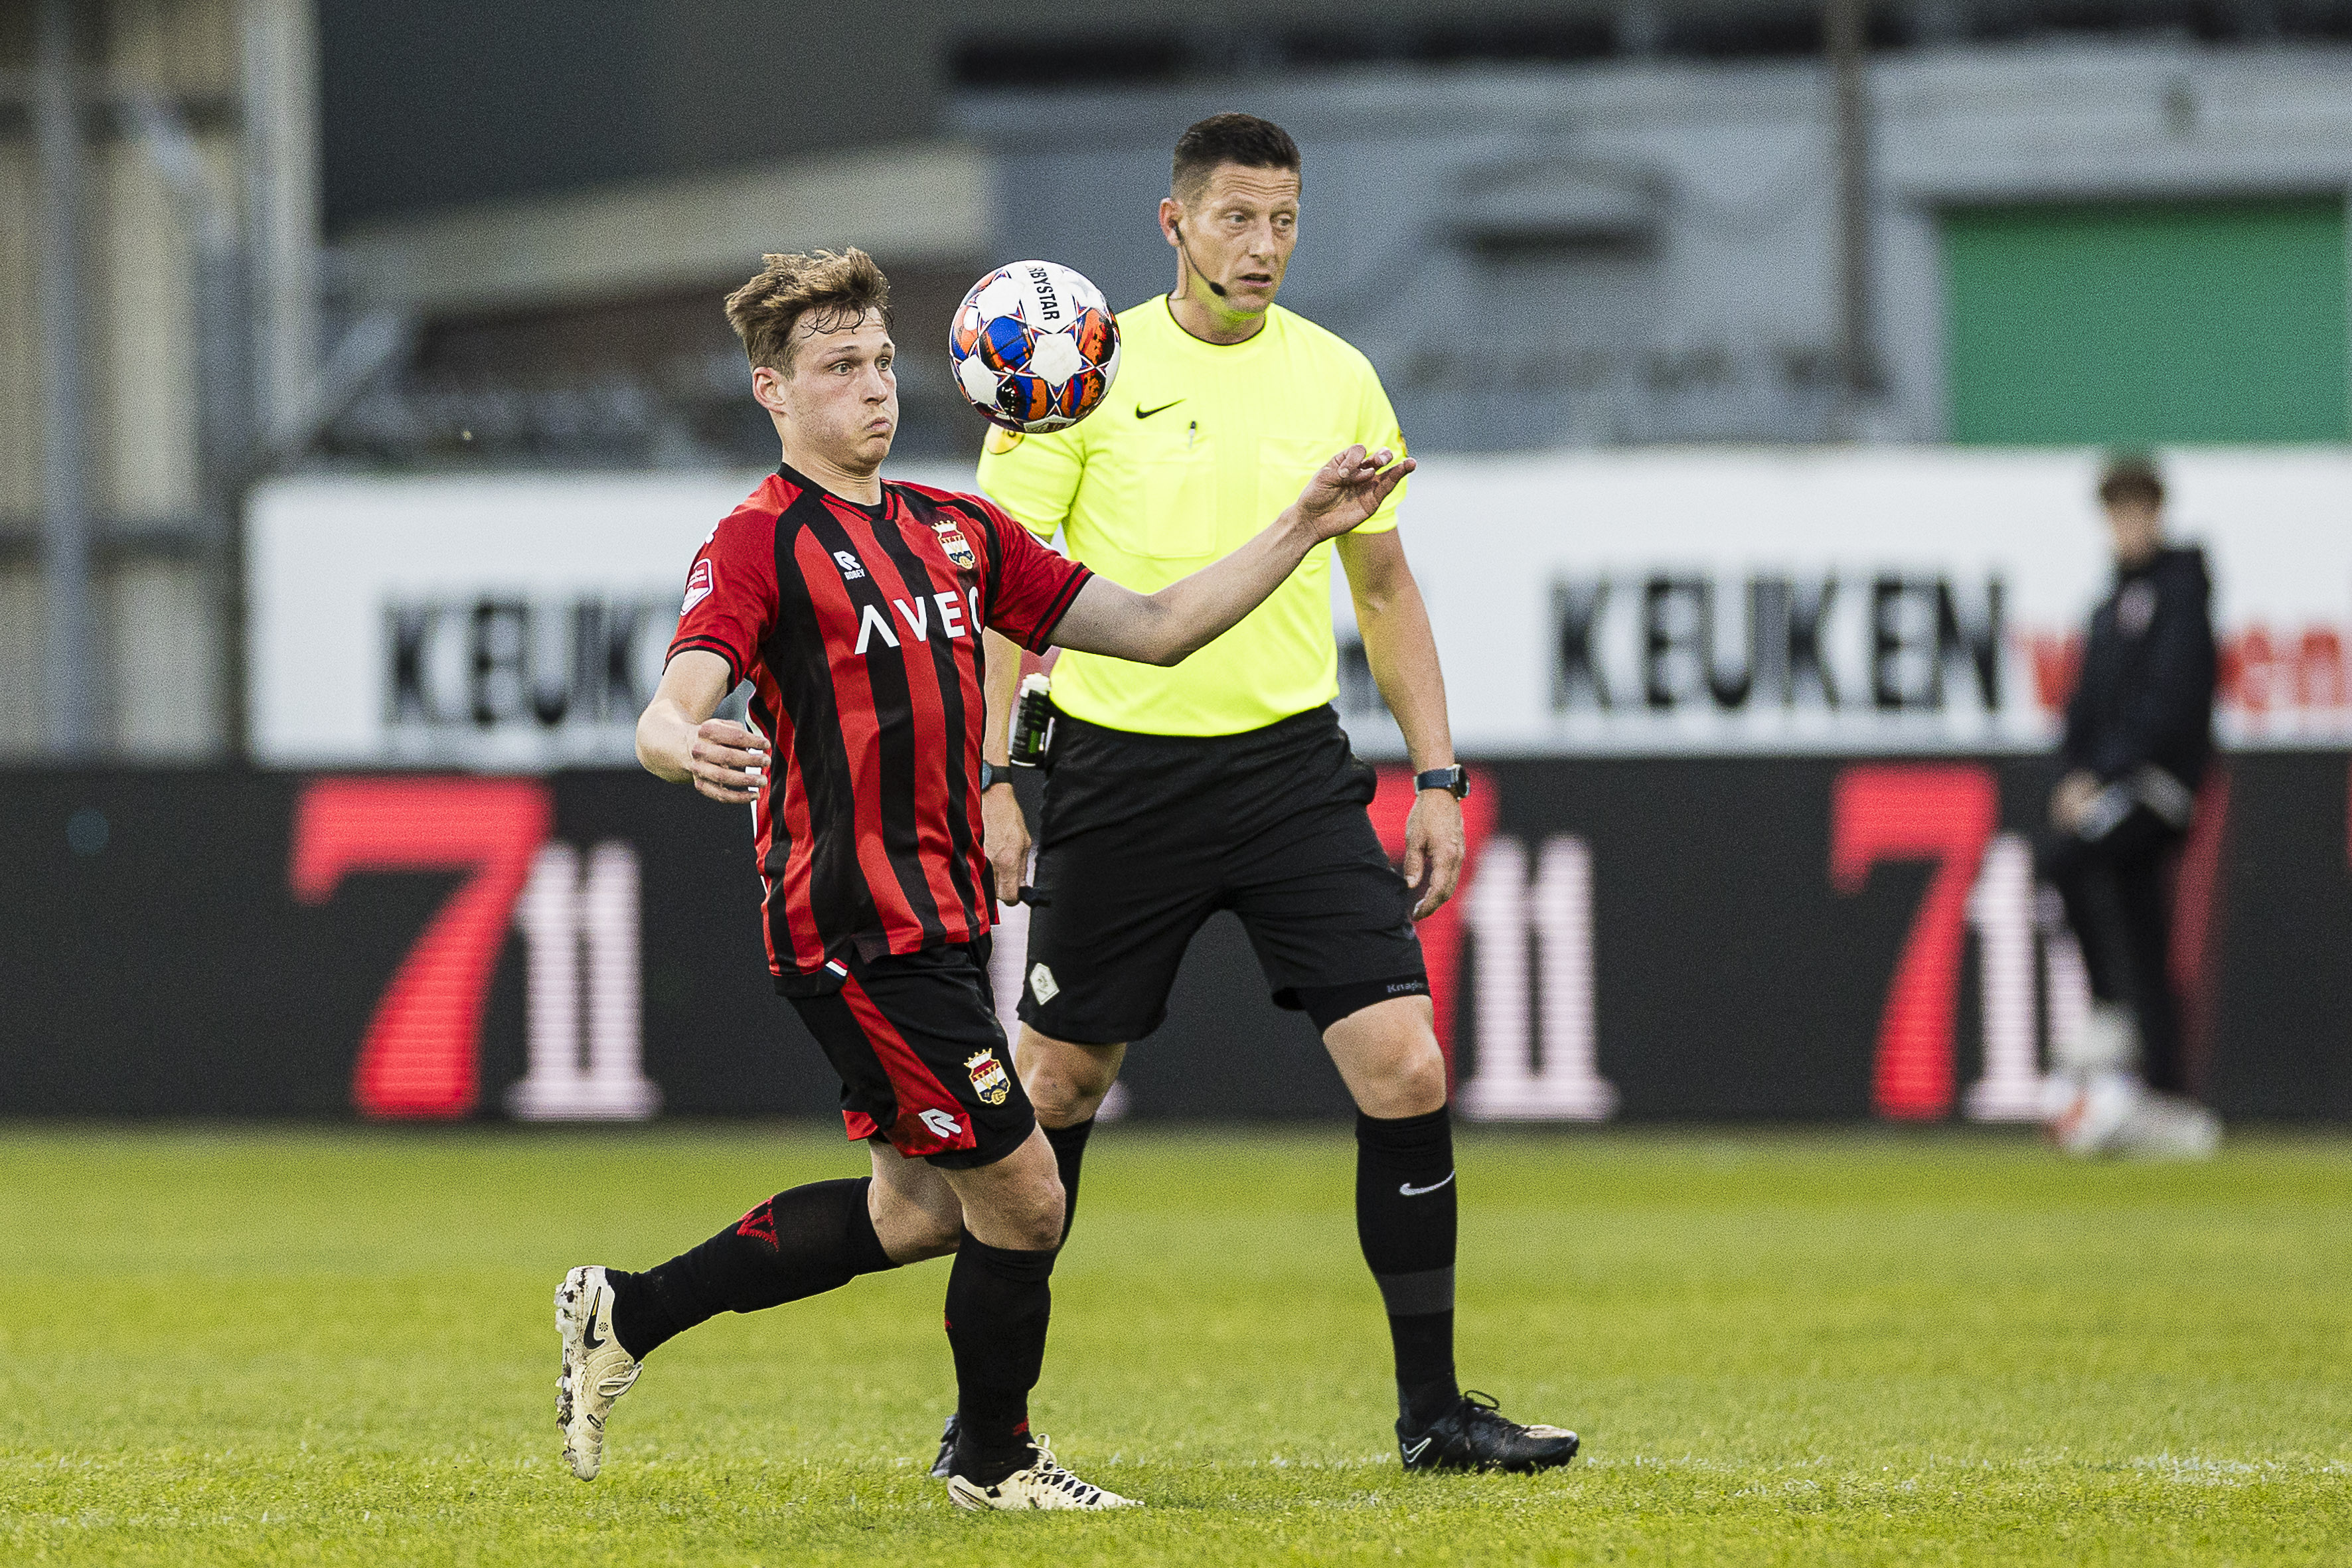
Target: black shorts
{"points": [[1145, 837], [922, 1059]]}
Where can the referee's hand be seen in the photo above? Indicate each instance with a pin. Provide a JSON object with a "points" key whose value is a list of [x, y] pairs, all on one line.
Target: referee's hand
{"points": [[727, 762], [1433, 850]]}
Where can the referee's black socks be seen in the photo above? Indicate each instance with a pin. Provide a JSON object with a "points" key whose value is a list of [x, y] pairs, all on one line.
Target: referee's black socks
{"points": [[800, 1243], [1405, 1220], [1069, 1146]]}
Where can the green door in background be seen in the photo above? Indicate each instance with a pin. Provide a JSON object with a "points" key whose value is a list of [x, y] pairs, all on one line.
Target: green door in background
{"points": [[2141, 323]]}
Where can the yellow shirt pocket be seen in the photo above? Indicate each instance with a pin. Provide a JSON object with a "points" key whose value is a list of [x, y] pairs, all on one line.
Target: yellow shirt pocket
{"points": [[1284, 464], [1180, 501]]}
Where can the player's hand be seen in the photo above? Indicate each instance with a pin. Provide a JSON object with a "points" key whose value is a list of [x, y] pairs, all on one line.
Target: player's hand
{"points": [[2072, 798], [727, 762], [1347, 490], [1433, 850], [1006, 833]]}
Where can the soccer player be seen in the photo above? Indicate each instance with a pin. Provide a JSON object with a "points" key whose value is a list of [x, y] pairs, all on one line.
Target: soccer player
{"points": [[1228, 784], [2139, 733], [855, 607]]}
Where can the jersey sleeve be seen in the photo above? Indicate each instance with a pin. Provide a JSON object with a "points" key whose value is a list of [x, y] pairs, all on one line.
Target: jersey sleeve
{"points": [[730, 593], [1034, 478], [1030, 588], [1376, 427]]}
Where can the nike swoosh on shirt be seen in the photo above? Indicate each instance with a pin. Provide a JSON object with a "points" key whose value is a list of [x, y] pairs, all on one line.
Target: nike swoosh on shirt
{"points": [[1143, 412], [1409, 1190]]}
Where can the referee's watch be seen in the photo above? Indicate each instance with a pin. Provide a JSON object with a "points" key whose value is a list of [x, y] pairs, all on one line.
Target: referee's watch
{"points": [[991, 775], [1454, 781]]}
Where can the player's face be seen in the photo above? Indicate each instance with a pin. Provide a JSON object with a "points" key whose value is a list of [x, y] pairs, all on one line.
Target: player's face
{"points": [[1239, 233], [841, 400]]}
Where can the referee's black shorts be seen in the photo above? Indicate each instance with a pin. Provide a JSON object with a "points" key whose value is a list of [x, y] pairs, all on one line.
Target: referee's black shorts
{"points": [[1145, 837], [922, 1059]]}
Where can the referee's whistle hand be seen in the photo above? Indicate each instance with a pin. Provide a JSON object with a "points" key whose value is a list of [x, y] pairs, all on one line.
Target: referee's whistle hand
{"points": [[1347, 490], [727, 761]]}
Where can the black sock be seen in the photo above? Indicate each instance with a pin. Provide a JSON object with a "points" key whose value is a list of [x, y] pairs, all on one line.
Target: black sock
{"points": [[799, 1243], [998, 1303], [1070, 1145], [1406, 1209]]}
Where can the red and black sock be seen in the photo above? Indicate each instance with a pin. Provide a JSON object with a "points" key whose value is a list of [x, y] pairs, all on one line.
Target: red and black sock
{"points": [[998, 1303], [1406, 1221], [802, 1242]]}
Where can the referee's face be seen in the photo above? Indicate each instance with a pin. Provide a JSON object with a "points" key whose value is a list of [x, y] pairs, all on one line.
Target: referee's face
{"points": [[1238, 233], [841, 400]]}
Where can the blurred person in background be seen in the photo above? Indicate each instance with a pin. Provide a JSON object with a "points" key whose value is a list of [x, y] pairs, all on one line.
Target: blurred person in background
{"points": [[2139, 735]]}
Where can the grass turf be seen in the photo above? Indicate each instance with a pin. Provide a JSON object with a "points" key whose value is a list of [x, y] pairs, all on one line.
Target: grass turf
{"points": [[338, 1347]]}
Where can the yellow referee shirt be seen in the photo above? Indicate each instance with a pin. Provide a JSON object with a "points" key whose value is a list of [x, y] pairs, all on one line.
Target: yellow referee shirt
{"points": [[1198, 448]]}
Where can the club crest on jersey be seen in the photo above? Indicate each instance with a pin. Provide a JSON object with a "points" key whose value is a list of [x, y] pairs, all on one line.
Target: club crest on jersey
{"points": [[989, 1078], [699, 583], [959, 549]]}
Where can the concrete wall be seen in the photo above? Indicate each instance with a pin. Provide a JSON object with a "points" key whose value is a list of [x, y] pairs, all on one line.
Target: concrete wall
{"points": [[1700, 303]]}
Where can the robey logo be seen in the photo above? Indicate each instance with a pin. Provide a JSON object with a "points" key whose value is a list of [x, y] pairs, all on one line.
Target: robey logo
{"points": [[852, 569]]}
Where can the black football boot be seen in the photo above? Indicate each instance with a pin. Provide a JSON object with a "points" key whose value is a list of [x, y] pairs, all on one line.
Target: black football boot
{"points": [[1476, 1436]]}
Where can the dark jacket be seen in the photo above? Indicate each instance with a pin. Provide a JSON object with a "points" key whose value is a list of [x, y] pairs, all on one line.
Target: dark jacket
{"points": [[2146, 694]]}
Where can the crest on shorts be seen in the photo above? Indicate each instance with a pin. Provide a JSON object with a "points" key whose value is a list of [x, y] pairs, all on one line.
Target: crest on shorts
{"points": [[989, 1078], [959, 549]]}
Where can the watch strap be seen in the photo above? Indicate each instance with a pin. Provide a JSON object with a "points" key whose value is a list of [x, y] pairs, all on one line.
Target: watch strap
{"points": [[1454, 781]]}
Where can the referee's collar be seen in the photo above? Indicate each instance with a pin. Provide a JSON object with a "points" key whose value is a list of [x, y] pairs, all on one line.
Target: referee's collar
{"points": [[1265, 327]]}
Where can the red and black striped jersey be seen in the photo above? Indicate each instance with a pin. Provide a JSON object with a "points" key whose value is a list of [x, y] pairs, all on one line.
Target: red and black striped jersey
{"points": [[858, 627]]}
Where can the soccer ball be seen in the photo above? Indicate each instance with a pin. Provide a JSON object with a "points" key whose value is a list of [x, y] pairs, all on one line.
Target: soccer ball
{"points": [[1034, 347]]}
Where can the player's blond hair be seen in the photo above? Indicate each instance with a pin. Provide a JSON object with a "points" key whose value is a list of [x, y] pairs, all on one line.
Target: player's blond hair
{"points": [[837, 290]]}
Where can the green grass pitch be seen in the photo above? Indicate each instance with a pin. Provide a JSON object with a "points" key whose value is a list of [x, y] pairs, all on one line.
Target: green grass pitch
{"points": [[333, 1347]]}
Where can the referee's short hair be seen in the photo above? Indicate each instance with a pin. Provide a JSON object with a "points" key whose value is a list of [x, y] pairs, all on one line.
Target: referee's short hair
{"points": [[837, 290], [1243, 139], [2131, 479]]}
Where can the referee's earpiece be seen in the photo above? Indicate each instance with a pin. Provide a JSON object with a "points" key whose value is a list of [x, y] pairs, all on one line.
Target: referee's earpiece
{"points": [[1215, 286]]}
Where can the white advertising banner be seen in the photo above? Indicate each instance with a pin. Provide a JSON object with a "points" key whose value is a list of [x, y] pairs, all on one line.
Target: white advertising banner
{"points": [[1848, 601], [1865, 601]]}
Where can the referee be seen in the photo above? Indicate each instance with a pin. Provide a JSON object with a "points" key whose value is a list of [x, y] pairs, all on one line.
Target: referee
{"points": [[1226, 783]]}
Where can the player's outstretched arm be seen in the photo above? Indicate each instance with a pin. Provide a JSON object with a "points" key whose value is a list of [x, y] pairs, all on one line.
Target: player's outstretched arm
{"points": [[1186, 617], [677, 739]]}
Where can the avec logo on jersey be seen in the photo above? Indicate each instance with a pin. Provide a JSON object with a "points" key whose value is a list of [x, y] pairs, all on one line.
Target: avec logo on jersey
{"points": [[953, 621]]}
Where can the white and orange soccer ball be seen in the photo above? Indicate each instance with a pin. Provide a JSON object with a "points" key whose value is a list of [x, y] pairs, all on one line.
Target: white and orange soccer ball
{"points": [[1034, 347]]}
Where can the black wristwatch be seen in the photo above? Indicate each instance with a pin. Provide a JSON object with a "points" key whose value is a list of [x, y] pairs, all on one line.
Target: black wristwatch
{"points": [[991, 775], [1454, 781]]}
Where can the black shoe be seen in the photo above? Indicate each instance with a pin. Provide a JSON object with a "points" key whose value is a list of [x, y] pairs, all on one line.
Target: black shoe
{"points": [[1476, 1436], [944, 1466]]}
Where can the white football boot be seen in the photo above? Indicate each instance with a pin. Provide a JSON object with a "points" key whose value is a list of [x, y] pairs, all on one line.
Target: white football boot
{"points": [[1044, 1485], [596, 1370], [2168, 1127], [2096, 1089]]}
